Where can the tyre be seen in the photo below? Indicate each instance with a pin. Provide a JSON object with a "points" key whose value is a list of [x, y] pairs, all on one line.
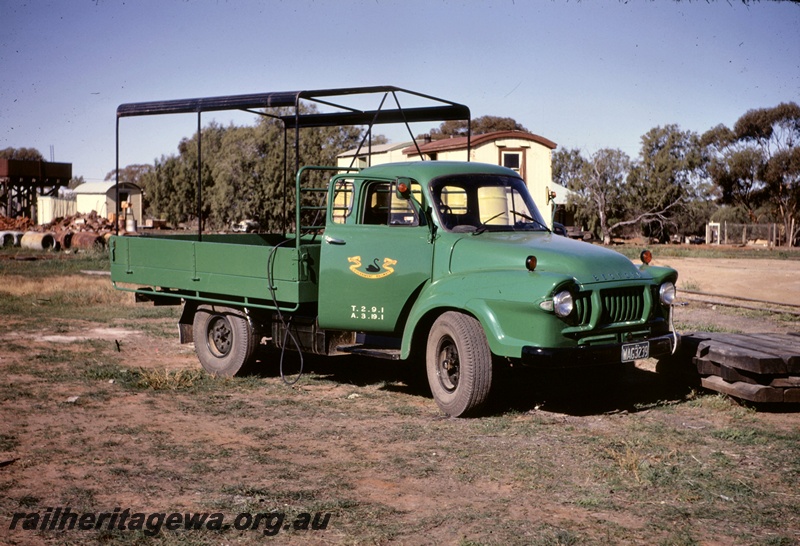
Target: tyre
{"points": [[223, 339], [459, 364]]}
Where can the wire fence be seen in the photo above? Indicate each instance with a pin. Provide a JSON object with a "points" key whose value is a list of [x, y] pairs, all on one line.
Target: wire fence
{"points": [[744, 234]]}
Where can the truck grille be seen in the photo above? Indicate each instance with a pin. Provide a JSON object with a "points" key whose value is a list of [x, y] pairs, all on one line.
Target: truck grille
{"points": [[618, 305], [622, 304], [583, 308]]}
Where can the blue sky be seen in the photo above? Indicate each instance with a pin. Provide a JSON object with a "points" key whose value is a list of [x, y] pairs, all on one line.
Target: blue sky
{"points": [[585, 74]]}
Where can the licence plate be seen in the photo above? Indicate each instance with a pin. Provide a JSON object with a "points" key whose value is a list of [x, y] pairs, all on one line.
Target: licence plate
{"points": [[635, 351]]}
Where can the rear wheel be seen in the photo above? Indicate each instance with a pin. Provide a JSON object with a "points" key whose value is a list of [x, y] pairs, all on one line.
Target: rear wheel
{"points": [[223, 339], [459, 363]]}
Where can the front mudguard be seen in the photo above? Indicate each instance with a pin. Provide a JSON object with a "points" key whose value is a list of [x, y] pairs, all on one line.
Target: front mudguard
{"points": [[505, 302]]}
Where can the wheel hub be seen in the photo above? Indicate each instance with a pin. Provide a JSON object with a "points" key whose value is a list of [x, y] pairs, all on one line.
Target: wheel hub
{"points": [[448, 369], [220, 336]]}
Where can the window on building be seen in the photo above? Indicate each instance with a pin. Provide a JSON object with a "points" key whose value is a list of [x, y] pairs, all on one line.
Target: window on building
{"points": [[512, 160]]}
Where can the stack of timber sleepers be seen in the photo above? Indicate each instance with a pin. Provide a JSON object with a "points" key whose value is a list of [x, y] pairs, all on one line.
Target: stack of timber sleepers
{"points": [[754, 367]]}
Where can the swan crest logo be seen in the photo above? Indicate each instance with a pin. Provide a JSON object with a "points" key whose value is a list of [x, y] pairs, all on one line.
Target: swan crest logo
{"points": [[373, 270]]}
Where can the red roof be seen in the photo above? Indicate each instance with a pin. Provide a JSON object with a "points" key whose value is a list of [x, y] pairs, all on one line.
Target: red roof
{"points": [[460, 143]]}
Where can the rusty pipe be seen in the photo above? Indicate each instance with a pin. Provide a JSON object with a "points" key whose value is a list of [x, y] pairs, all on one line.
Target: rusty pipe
{"points": [[87, 240]]}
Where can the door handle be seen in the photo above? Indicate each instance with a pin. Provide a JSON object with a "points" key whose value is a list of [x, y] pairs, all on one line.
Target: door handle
{"points": [[333, 241]]}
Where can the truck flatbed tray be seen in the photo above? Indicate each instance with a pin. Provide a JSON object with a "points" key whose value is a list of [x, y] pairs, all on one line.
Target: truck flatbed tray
{"points": [[235, 268]]}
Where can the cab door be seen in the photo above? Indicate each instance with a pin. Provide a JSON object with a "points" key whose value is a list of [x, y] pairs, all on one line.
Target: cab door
{"points": [[376, 254]]}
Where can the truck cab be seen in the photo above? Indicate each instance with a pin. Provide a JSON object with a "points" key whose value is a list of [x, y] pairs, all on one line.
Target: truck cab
{"points": [[457, 255]]}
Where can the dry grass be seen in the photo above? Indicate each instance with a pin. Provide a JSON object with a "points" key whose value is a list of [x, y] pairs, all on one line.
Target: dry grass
{"points": [[170, 380], [68, 290]]}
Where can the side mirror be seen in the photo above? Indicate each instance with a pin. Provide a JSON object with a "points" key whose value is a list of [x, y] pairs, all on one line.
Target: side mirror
{"points": [[403, 188]]}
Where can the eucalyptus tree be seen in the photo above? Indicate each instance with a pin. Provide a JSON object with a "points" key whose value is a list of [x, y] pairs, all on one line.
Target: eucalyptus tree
{"points": [[24, 154], [662, 189], [757, 162], [597, 187], [478, 126], [665, 187], [132, 173]]}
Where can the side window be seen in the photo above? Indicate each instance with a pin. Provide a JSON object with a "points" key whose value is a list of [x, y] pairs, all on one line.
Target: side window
{"points": [[402, 210], [376, 204], [383, 207], [342, 201]]}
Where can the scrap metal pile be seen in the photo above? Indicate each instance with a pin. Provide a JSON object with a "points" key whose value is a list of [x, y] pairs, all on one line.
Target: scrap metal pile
{"points": [[77, 231], [23, 223]]}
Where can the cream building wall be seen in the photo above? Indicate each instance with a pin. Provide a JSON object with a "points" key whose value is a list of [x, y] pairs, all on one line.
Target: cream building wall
{"points": [[381, 154], [50, 207], [100, 197]]}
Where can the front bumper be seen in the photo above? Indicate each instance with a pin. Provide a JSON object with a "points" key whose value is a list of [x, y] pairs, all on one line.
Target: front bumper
{"points": [[592, 355]]}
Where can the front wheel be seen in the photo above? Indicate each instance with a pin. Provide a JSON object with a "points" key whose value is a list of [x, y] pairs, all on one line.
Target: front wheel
{"points": [[224, 340], [459, 363]]}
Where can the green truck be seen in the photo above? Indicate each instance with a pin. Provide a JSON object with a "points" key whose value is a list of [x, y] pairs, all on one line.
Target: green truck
{"points": [[446, 265]]}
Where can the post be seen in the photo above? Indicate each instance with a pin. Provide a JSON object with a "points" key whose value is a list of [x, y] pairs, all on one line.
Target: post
{"points": [[199, 180], [116, 184]]}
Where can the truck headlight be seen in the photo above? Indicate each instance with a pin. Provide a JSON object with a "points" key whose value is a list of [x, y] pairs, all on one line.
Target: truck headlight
{"points": [[563, 304], [666, 293]]}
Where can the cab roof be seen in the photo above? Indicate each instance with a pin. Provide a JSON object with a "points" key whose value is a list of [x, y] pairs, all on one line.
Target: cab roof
{"points": [[428, 170]]}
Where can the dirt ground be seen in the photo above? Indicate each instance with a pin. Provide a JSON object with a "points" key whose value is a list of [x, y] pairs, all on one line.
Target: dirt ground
{"points": [[762, 279], [107, 412]]}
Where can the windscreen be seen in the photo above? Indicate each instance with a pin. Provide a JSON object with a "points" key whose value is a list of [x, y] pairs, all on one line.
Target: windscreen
{"points": [[485, 202]]}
